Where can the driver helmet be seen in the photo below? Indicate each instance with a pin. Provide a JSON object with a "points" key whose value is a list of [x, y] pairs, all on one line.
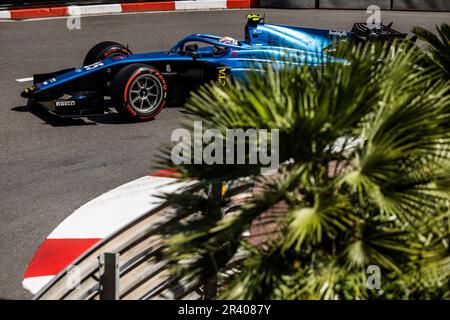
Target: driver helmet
{"points": [[226, 40]]}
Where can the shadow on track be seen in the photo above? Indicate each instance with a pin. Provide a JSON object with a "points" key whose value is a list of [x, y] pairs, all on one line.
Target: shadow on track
{"points": [[110, 117]]}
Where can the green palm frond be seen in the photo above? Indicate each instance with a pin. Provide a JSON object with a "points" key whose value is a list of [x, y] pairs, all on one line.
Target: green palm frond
{"points": [[438, 45], [311, 230]]}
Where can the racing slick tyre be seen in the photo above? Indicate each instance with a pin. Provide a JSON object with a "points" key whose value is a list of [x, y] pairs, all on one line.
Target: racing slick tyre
{"points": [[139, 92], [104, 50]]}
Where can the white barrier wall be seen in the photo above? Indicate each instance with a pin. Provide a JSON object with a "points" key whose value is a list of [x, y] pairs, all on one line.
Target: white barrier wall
{"points": [[426, 5], [418, 5], [354, 4], [294, 4]]}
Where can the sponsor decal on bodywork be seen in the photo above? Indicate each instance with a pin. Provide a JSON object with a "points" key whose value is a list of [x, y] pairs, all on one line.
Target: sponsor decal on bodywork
{"points": [[69, 103], [222, 76], [221, 79], [93, 66], [338, 33], [47, 82]]}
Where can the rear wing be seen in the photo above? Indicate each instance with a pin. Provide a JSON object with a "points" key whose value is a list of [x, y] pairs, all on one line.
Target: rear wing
{"points": [[255, 18], [252, 22], [382, 33]]}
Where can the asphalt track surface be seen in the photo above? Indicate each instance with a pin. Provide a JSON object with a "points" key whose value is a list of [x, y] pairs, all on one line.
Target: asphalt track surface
{"points": [[49, 169]]}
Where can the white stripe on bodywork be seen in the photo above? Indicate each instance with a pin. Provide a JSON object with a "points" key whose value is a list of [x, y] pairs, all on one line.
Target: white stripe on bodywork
{"points": [[94, 9], [195, 5]]}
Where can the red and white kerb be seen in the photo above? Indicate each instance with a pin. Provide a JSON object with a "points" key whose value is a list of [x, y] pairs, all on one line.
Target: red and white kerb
{"points": [[93, 222]]}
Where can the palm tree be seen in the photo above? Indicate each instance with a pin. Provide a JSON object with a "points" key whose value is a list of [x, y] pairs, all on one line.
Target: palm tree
{"points": [[438, 45], [363, 185]]}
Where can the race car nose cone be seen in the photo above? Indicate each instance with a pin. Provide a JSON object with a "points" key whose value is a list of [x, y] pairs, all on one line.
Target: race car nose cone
{"points": [[28, 92]]}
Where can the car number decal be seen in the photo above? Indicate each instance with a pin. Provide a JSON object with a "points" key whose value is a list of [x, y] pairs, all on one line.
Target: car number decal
{"points": [[94, 66]]}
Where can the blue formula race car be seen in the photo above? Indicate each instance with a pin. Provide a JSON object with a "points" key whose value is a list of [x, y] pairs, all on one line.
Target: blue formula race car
{"points": [[140, 85]]}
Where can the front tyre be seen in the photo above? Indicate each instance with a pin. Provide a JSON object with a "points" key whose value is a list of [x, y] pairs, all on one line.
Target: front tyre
{"points": [[103, 50], [139, 92]]}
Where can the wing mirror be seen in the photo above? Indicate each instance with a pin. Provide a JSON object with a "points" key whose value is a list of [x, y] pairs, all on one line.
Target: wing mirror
{"points": [[191, 48]]}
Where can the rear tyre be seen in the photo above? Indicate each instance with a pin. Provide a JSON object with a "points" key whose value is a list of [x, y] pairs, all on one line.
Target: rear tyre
{"points": [[104, 50], [139, 92]]}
